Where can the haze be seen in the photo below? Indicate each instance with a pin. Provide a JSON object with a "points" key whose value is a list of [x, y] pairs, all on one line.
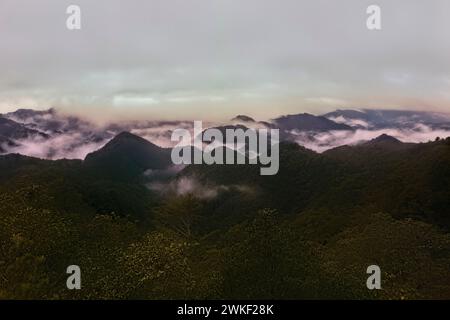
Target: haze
{"points": [[213, 59]]}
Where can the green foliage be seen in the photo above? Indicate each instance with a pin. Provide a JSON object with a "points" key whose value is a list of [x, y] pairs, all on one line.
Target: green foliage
{"points": [[179, 215], [308, 233], [414, 257]]}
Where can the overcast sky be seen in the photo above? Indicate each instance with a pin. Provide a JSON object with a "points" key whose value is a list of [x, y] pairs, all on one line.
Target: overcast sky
{"points": [[212, 59]]}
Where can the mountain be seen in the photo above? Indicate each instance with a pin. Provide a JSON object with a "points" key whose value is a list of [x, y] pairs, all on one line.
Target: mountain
{"points": [[384, 139], [28, 114], [321, 220], [380, 149], [369, 174], [12, 130], [242, 118], [128, 156], [379, 119], [308, 122], [347, 113], [42, 120], [223, 129], [54, 123], [73, 137]]}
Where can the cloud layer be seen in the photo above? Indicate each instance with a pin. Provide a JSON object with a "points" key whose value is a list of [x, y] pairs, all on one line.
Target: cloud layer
{"points": [[52, 135], [323, 141], [172, 59]]}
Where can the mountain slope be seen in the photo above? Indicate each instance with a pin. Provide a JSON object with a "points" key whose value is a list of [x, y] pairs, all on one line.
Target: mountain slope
{"points": [[10, 129], [128, 156], [243, 118], [406, 180], [308, 122]]}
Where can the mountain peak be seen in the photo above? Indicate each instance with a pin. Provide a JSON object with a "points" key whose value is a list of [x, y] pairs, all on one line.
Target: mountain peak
{"points": [[125, 135], [128, 155], [24, 114], [384, 138], [126, 142], [243, 118]]}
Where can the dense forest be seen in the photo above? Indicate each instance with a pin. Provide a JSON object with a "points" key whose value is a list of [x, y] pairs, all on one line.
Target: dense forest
{"points": [[224, 231]]}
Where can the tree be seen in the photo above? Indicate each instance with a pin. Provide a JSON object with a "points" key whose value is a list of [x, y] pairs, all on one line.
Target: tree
{"points": [[179, 215]]}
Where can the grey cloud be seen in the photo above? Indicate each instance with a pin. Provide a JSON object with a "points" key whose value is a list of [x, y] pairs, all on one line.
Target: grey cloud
{"points": [[215, 58]]}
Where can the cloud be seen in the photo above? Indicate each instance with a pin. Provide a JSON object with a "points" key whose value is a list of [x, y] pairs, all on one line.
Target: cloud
{"points": [[321, 142], [62, 146], [158, 174], [66, 137], [222, 57], [69, 137], [132, 101], [160, 133], [350, 122], [192, 186], [326, 101]]}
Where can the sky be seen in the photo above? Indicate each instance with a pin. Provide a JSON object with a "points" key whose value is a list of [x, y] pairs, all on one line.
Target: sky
{"points": [[214, 59]]}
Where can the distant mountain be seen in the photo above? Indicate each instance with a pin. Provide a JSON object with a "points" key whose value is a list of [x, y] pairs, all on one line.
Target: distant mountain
{"points": [[383, 149], [28, 114], [351, 114], [65, 136], [11, 130], [308, 122], [42, 120], [365, 151], [243, 118], [73, 137], [127, 156], [379, 119], [384, 139], [54, 123], [223, 129], [244, 148]]}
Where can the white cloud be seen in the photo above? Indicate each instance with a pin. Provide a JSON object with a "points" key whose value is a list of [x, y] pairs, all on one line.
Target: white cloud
{"points": [[192, 186], [321, 142], [63, 146], [134, 101], [350, 122]]}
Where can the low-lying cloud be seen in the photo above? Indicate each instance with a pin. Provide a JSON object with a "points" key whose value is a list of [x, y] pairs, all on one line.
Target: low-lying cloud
{"points": [[323, 141], [355, 123], [61, 136], [192, 186], [62, 146]]}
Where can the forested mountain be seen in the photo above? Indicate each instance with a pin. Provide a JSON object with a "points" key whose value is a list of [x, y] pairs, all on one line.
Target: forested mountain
{"points": [[225, 231], [127, 156]]}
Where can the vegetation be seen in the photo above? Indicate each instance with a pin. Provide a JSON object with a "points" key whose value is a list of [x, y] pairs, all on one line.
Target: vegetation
{"points": [[309, 232]]}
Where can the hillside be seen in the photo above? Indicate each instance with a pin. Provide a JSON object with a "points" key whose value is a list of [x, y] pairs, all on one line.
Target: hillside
{"points": [[384, 173], [224, 231], [127, 156]]}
